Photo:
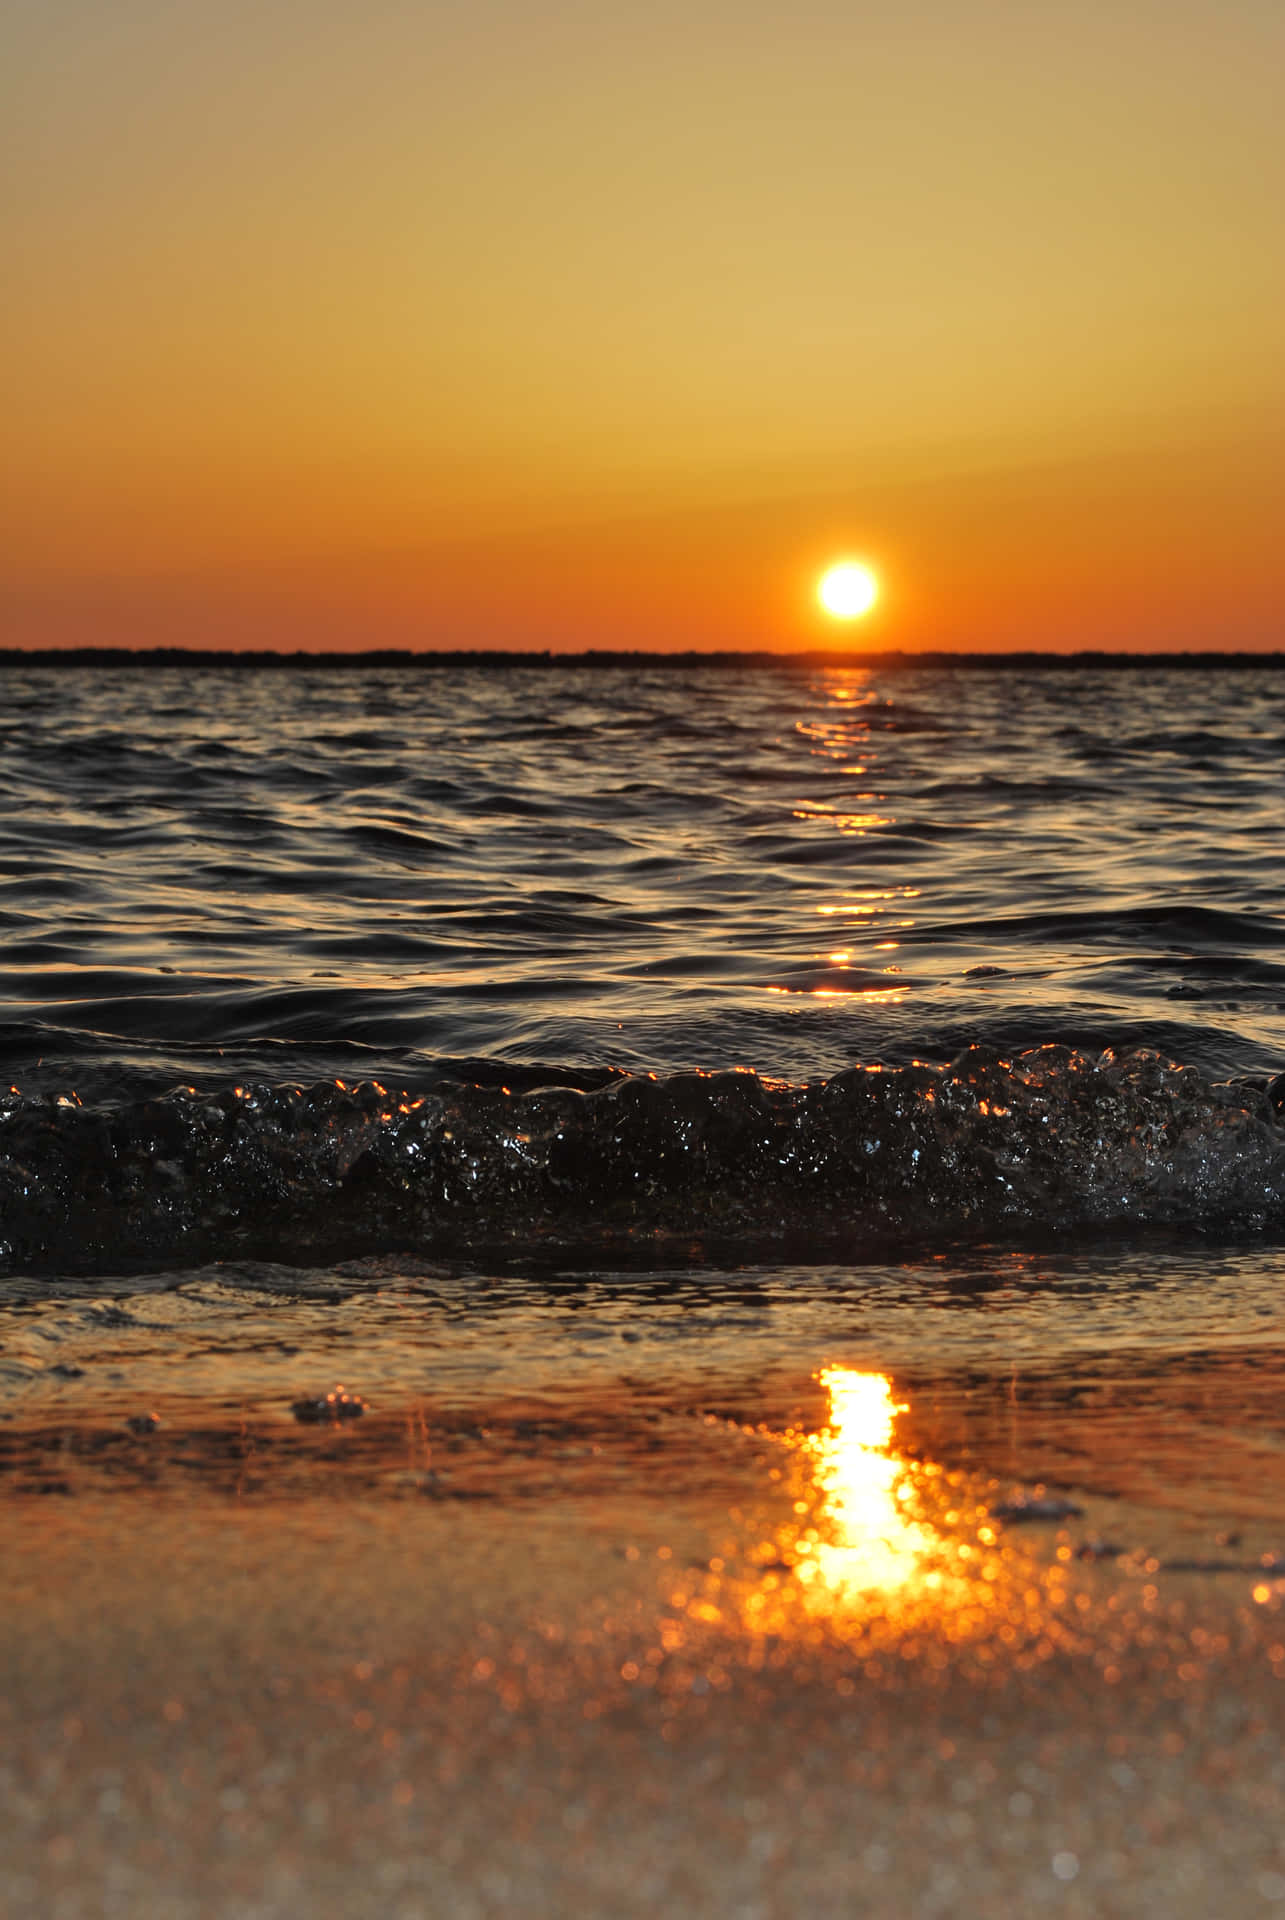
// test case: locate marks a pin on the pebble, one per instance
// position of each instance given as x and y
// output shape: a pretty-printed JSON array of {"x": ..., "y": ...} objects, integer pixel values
[{"x": 1052, "y": 1508}]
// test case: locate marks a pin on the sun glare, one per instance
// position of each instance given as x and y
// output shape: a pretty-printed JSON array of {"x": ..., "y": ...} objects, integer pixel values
[
  {"x": 847, "y": 590},
  {"x": 874, "y": 1543}
]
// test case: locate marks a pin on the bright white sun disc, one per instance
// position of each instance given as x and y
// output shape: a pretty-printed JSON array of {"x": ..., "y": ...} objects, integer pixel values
[{"x": 847, "y": 590}]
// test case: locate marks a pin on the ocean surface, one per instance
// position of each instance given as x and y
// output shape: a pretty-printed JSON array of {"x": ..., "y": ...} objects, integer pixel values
[{"x": 490, "y": 1033}]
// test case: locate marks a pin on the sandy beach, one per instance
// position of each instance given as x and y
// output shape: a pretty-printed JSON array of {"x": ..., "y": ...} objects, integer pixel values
[{"x": 639, "y": 1659}]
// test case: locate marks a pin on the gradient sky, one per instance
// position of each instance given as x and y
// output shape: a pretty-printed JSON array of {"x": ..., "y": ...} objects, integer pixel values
[{"x": 527, "y": 325}]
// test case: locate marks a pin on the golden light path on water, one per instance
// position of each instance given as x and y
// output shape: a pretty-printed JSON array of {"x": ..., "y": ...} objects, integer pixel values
[{"x": 842, "y": 738}]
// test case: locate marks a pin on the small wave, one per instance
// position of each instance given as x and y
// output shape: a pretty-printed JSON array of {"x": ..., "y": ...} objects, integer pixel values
[{"x": 1053, "y": 1139}]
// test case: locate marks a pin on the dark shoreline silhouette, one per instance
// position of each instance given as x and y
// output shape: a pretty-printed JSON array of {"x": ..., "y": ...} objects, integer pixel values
[{"x": 493, "y": 660}]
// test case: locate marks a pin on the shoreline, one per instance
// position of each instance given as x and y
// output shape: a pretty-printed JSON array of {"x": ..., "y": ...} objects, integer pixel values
[
  {"x": 217, "y": 1706},
  {"x": 610, "y": 1603}
]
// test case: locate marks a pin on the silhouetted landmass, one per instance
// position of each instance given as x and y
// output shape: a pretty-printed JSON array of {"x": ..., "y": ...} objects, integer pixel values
[{"x": 404, "y": 659}]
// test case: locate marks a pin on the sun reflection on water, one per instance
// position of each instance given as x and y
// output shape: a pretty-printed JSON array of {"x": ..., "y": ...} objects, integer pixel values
[
  {"x": 862, "y": 1489},
  {"x": 873, "y": 1537}
]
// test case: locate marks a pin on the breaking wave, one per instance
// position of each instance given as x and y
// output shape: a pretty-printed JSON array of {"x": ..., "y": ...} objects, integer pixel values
[{"x": 1054, "y": 1139}]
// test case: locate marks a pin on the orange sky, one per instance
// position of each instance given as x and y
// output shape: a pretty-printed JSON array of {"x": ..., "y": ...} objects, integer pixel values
[{"x": 497, "y": 325}]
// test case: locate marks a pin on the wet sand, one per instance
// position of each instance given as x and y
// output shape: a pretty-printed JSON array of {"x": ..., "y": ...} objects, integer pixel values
[{"x": 639, "y": 1659}]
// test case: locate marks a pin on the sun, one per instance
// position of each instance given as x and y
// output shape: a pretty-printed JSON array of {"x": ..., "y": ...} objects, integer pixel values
[{"x": 847, "y": 590}]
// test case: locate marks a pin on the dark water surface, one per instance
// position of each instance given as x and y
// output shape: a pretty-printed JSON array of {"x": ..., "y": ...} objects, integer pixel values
[
  {"x": 210, "y": 875},
  {"x": 672, "y": 1025}
]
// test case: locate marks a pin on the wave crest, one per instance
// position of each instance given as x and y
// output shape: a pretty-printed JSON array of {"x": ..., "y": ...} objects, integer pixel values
[{"x": 1054, "y": 1138}]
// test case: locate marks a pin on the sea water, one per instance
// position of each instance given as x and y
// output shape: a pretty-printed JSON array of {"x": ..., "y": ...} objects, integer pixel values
[{"x": 553, "y": 1049}]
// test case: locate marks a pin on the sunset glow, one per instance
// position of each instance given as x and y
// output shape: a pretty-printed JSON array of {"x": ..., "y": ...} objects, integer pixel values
[{"x": 272, "y": 385}]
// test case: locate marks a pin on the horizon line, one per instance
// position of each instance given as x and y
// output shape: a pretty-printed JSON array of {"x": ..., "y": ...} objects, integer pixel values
[{"x": 527, "y": 659}]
